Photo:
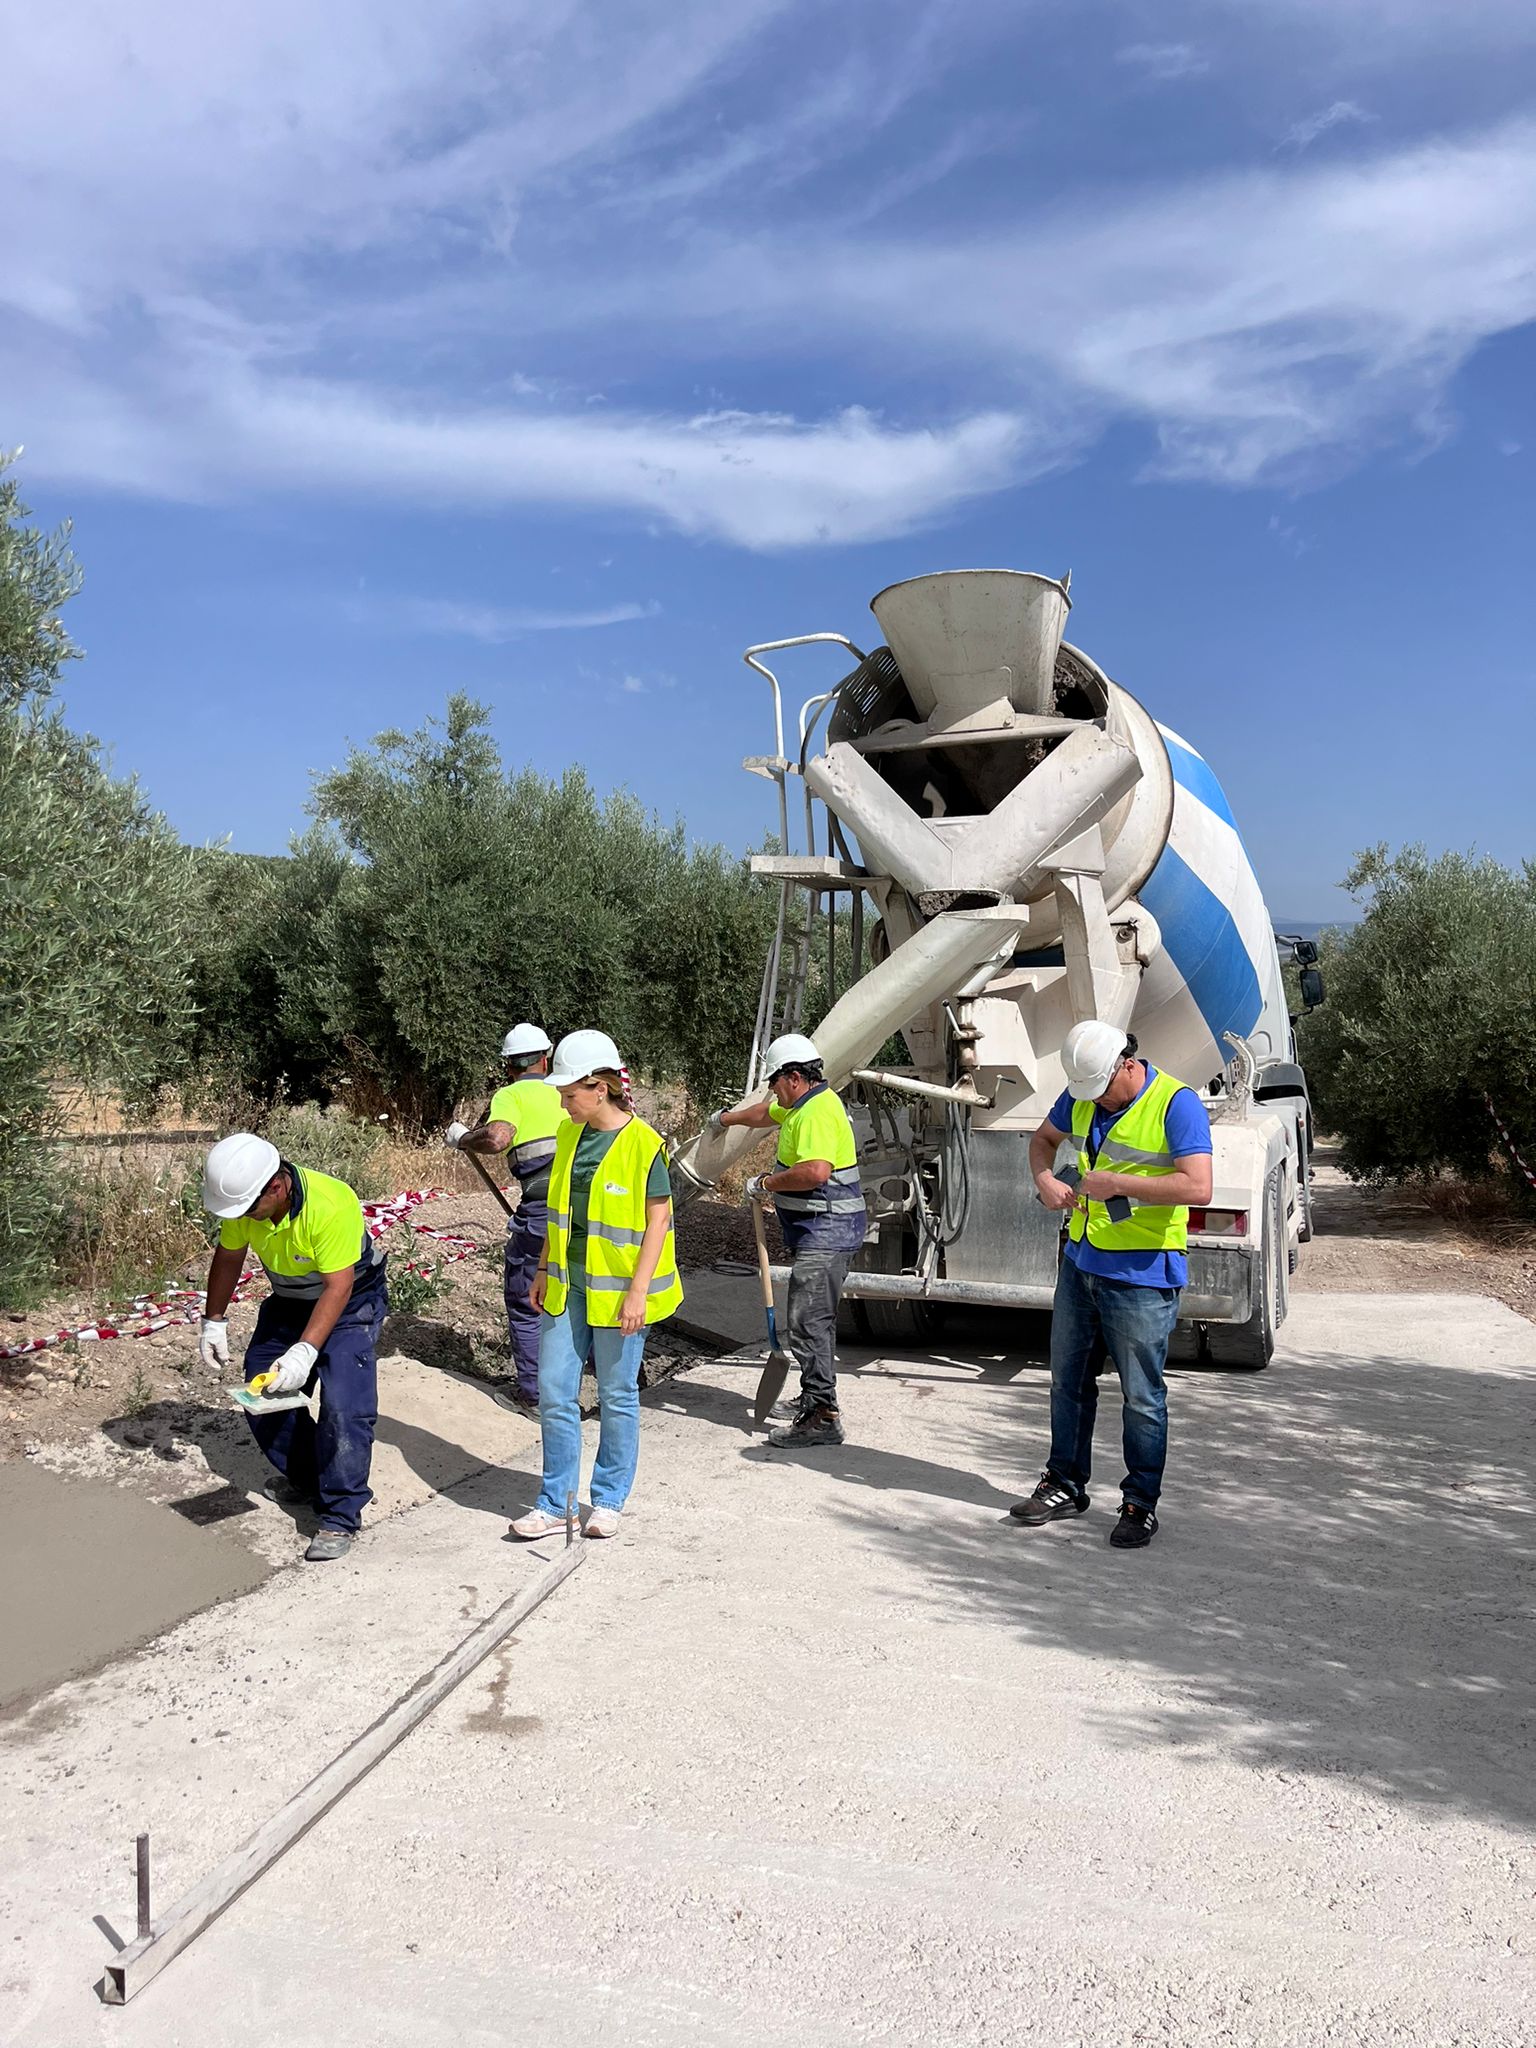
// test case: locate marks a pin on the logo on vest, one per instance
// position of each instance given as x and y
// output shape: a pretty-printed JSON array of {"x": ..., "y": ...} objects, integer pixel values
[{"x": 611, "y": 1187}]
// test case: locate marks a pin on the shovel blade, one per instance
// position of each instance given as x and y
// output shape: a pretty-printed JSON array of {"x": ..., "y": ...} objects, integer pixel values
[{"x": 770, "y": 1385}]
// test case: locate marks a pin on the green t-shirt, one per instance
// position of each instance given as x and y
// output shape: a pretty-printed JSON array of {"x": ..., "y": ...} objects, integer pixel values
[{"x": 592, "y": 1148}]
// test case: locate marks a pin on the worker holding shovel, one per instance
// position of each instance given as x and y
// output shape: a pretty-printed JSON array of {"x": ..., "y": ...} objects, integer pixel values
[
  {"x": 817, "y": 1194},
  {"x": 321, "y": 1319},
  {"x": 523, "y": 1122}
]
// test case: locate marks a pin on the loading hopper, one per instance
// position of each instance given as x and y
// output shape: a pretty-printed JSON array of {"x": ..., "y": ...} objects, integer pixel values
[{"x": 975, "y": 646}]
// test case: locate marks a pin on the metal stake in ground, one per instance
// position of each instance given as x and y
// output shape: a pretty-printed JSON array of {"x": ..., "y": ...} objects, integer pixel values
[
  {"x": 145, "y": 1958},
  {"x": 780, "y": 1363}
]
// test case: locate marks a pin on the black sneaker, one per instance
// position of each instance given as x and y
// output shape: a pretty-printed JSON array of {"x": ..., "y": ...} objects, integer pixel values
[
  {"x": 1136, "y": 1527},
  {"x": 1051, "y": 1499},
  {"x": 815, "y": 1426}
]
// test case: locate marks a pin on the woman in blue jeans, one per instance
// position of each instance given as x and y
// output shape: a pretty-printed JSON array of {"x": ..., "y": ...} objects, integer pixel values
[{"x": 608, "y": 1271}]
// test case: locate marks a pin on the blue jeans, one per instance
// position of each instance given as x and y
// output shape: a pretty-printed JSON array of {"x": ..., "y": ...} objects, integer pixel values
[
  {"x": 527, "y": 1228},
  {"x": 328, "y": 1459},
  {"x": 1094, "y": 1319},
  {"x": 565, "y": 1343}
]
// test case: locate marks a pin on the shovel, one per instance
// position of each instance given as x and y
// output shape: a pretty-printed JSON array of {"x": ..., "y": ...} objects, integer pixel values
[
  {"x": 780, "y": 1362},
  {"x": 474, "y": 1160}
]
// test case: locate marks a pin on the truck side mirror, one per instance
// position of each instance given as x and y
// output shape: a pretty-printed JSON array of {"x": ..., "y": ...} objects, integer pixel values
[{"x": 1311, "y": 987}]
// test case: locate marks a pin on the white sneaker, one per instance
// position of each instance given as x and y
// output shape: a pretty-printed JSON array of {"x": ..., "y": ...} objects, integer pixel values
[
  {"x": 602, "y": 1522},
  {"x": 530, "y": 1527}
]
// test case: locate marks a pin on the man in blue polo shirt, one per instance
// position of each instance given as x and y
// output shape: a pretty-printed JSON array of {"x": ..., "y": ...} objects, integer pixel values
[{"x": 1143, "y": 1158}]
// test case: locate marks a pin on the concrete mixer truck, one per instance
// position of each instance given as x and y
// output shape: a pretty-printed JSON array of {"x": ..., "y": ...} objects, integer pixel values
[{"x": 997, "y": 842}]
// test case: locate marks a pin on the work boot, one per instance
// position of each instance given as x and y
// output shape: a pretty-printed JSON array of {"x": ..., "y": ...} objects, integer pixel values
[
  {"x": 813, "y": 1426},
  {"x": 1051, "y": 1499},
  {"x": 327, "y": 1544},
  {"x": 790, "y": 1409},
  {"x": 284, "y": 1494},
  {"x": 519, "y": 1402},
  {"x": 1136, "y": 1527}
]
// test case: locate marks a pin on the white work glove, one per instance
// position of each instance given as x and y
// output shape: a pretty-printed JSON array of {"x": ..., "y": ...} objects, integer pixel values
[
  {"x": 453, "y": 1134},
  {"x": 715, "y": 1122},
  {"x": 292, "y": 1369},
  {"x": 213, "y": 1343},
  {"x": 756, "y": 1191}
]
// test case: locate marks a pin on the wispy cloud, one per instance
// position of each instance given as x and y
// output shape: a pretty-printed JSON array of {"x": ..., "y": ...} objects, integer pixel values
[
  {"x": 369, "y": 250},
  {"x": 490, "y": 624},
  {"x": 1304, "y": 133},
  {"x": 1165, "y": 62}
]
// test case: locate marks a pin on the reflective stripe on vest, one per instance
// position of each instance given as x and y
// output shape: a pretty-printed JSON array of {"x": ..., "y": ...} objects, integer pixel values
[
  {"x": 534, "y": 1157},
  {"x": 1136, "y": 1143},
  {"x": 615, "y": 1228},
  {"x": 840, "y": 1194}
]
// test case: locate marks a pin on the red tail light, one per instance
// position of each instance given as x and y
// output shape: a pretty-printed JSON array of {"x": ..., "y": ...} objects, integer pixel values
[{"x": 1219, "y": 1222}]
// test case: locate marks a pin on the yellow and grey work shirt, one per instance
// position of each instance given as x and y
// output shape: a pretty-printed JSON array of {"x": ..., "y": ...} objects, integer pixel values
[
  {"x": 535, "y": 1112},
  {"x": 832, "y": 1217},
  {"x": 322, "y": 1233}
]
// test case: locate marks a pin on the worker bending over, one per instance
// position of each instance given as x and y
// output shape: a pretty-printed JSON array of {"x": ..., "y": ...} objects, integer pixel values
[
  {"x": 819, "y": 1201},
  {"x": 523, "y": 1121},
  {"x": 322, "y": 1317},
  {"x": 1145, "y": 1139}
]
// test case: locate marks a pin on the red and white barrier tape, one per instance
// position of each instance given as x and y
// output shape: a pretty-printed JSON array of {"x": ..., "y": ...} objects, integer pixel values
[
  {"x": 1513, "y": 1149},
  {"x": 185, "y": 1304}
]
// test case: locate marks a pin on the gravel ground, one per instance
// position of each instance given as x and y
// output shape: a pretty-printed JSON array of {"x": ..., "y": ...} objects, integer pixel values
[{"x": 826, "y": 1750}]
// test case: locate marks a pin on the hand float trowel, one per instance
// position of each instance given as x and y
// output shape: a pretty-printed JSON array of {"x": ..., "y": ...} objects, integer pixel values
[{"x": 254, "y": 1399}]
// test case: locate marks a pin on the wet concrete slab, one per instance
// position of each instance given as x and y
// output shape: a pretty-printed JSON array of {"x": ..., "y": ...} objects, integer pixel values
[{"x": 92, "y": 1570}]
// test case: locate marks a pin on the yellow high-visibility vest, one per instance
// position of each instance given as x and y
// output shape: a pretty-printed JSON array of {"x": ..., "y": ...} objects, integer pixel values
[
  {"x": 615, "y": 1228},
  {"x": 1136, "y": 1142}
]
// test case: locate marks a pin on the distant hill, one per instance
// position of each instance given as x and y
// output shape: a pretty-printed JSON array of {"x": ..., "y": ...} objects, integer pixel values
[{"x": 1309, "y": 927}]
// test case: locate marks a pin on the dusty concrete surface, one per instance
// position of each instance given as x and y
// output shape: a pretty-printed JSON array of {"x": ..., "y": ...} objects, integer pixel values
[
  {"x": 91, "y": 1570},
  {"x": 824, "y": 1750}
]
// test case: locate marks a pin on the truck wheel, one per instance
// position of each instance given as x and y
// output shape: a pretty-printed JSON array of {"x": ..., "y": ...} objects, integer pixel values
[
  {"x": 1251, "y": 1345},
  {"x": 907, "y": 1323},
  {"x": 1304, "y": 1195}
]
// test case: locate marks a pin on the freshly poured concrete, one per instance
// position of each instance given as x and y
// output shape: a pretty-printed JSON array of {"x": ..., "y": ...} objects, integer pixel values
[
  {"x": 823, "y": 1749},
  {"x": 88, "y": 1570}
]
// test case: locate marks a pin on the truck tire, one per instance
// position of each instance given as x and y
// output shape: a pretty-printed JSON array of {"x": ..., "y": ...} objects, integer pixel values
[
  {"x": 908, "y": 1323},
  {"x": 1250, "y": 1346},
  {"x": 1304, "y": 1195}
]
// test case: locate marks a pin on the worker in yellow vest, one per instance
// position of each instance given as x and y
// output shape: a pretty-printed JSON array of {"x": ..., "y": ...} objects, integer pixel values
[
  {"x": 320, "y": 1321},
  {"x": 816, "y": 1192},
  {"x": 608, "y": 1272},
  {"x": 523, "y": 1121},
  {"x": 1143, "y": 1156}
]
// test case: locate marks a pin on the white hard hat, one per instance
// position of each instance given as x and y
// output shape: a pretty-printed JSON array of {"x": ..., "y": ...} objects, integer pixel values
[
  {"x": 1090, "y": 1055},
  {"x": 580, "y": 1055},
  {"x": 794, "y": 1049},
  {"x": 524, "y": 1038},
  {"x": 236, "y": 1171}
]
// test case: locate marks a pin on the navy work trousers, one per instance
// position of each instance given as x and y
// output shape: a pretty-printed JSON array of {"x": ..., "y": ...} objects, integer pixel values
[
  {"x": 328, "y": 1459},
  {"x": 527, "y": 1228}
]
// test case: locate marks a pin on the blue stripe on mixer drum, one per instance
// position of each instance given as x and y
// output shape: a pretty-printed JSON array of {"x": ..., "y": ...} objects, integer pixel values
[
  {"x": 1205, "y": 946},
  {"x": 1194, "y": 774}
]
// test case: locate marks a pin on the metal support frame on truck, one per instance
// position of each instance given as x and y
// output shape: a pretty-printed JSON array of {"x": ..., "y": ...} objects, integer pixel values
[{"x": 1021, "y": 846}]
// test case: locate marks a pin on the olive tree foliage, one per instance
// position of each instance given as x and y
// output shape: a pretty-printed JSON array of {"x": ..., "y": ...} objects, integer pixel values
[
  {"x": 93, "y": 909},
  {"x": 1431, "y": 1008},
  {"x": 439, "y": 899}
]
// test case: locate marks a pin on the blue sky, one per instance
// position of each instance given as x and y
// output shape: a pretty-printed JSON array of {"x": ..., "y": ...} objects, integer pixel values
[{"x": 558, "y": 351}]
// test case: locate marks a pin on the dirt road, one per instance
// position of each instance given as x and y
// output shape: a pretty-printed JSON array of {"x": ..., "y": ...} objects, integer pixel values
[{"x": 825, "y": 1750}]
